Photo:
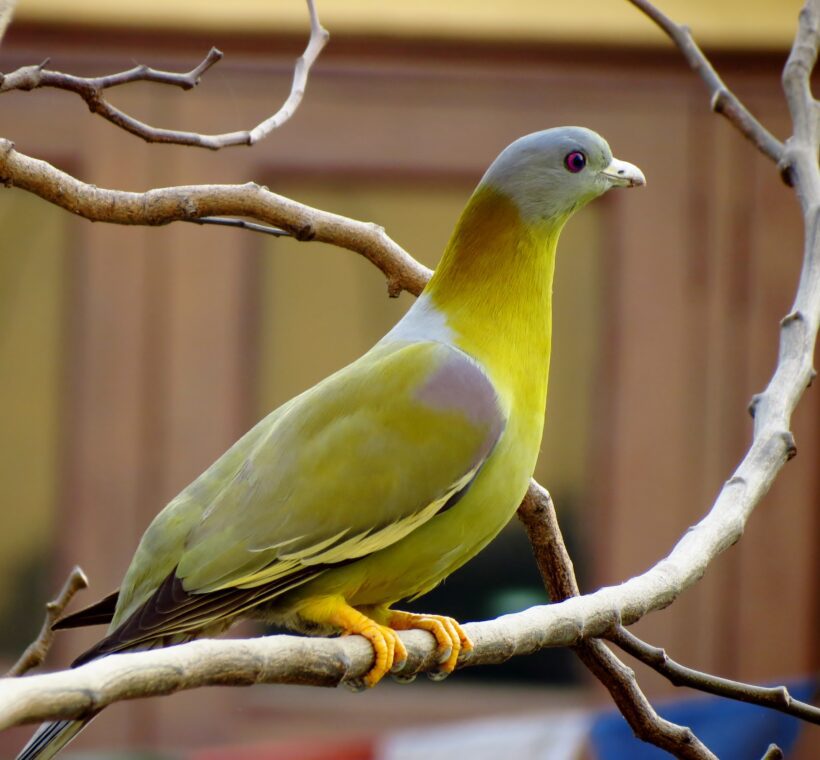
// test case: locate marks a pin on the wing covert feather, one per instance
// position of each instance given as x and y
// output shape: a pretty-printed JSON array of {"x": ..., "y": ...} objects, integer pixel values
[{"x": 343, "y": 470}]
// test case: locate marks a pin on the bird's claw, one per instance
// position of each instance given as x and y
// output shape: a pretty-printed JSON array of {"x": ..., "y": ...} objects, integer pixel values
[
  {"x": 451, "y": 640},
  {"x": 438, "y": 675},
  {"x": 354, "y": 685},
  {"x": 403, "y": 678}
]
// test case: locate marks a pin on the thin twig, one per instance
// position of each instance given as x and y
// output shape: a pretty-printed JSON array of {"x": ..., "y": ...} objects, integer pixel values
[
  {"x": 318, "y": 39},
  {"x": 36, "y": 652},
  {"x": 722, "y": 99},
  {"x": 776, "y": 698},
  {"x": 223, "y": 221},
  {"x": 91, "y": 90},
  {"x": 537, "y": 512}
]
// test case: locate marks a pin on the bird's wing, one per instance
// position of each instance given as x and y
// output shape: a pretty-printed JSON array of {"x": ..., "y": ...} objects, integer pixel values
[{"x": 346, "y": 469}]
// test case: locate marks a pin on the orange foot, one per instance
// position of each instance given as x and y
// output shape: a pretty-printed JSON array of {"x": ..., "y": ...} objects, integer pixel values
[
  {"x": 388, "y": 650},
  {"x": 449, "y": 635}
]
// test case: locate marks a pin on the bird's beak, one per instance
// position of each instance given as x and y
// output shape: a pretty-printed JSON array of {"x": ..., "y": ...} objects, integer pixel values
[{"x": 623, "y": 174}]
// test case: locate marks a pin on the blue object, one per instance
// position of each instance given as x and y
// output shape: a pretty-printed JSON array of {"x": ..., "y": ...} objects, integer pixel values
[{"x": 732, "y": 730}]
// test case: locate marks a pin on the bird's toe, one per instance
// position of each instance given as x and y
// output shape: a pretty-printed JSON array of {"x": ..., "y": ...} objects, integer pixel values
[{"x": 449, "y": 635}]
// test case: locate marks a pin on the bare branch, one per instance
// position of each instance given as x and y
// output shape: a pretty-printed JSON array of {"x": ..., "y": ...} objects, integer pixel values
[
  {"x": 36, "y": 652},
  {"x": 800, "y": 154},
  {"x": 241, "y": 662},
  {"x": 722, "y": 99},
  {"x": 648, "y": 726},
  {"x": 773, "y": 443},
  {"x": 318, "y": 39},
  {"x": 187, "y": 203},
  {"x": 91, "y": 90},
  {"x": 777, "y": 698},
  {"x": 538, "y": 515}
]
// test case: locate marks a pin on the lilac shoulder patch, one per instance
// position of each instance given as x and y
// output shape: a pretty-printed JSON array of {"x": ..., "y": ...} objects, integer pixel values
[{"x": 459, "y": 384}]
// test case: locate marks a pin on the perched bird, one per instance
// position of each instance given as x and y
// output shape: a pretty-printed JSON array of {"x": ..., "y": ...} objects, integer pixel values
[{"x": 377, "y": 483}]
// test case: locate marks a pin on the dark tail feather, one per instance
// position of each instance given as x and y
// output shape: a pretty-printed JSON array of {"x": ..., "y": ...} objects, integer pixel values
[
  {"x": 50, "y": 738},
  {"x": 99, "y": 613}
]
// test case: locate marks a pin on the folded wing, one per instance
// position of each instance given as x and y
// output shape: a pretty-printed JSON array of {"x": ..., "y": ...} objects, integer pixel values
[{"x": 348, "y": 468}]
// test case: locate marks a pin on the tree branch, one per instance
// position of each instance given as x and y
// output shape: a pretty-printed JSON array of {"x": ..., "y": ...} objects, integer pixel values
[
  {"x": 538, "y": 515},
  {"x": 800, "y": 154},
  {"x": 36, "y": 652},
  {"x": 318, "y": 39},
  {"x": 91, "y": 90},
  {"x": 326, "y": 662},
  {"x": 647, "y": 725},
  {"x": 192, "y": 202},
  {"x": 776, "y": 698},
  {"x": 722, "y": 99}
]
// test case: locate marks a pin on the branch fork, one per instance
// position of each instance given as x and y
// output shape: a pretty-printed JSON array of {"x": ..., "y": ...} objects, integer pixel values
[{"x": 92, "y": 89}]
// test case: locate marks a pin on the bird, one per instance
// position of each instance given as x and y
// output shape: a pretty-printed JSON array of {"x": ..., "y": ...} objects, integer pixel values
[{"x": 378, "y": 482}]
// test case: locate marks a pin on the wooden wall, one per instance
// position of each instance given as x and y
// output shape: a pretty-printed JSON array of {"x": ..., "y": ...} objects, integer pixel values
[{"x": 175, "y": 340}]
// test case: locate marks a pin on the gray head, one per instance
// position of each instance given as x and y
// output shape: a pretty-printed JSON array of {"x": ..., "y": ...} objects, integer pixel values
[{"x": 552, "y": 173}]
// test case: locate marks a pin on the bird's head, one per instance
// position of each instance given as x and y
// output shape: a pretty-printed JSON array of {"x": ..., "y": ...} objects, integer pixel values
[{"x": 551, "y": 174}]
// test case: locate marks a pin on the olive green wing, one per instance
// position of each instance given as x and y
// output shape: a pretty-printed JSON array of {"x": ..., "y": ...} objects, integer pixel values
[{"x": 346, "y": 469}]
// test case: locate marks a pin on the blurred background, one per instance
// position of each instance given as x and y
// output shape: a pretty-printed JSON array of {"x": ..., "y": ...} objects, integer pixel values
[{"x": 130, "y": 358}]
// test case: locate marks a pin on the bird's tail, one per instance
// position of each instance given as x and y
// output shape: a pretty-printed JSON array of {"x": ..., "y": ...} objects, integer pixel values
[{"x": 50, "y": 738}]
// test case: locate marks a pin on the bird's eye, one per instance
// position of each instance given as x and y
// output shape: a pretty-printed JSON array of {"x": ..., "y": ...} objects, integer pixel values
[{"x": 575, "y": 161}]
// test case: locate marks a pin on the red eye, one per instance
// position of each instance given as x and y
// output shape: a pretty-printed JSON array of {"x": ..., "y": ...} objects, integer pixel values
[{"x": 575, "y": 161}]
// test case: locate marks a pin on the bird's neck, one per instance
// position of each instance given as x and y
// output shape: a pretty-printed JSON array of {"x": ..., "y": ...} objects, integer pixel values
[{"x": 494, "y": 284}]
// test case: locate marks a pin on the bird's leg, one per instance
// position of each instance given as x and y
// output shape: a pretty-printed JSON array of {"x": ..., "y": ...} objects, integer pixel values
[
  {"x": 450, "y": 637},
  {"x": 388, "y": 649}
]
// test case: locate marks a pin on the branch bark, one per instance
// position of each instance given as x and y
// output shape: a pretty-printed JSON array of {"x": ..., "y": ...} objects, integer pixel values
[
  {"x": 775, "y": 697},
  {"x": 722, "y": 100},
  {"x": 36, "y": 652},
  {"x": 647, "y": 725},
  {"x": 91, "y": 90},
  {"x": 192, "y": 202},
  {"x": 538, "y": 515}
]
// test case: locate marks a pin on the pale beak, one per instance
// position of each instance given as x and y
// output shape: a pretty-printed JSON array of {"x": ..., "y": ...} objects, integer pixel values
[{"x": 623, "y": 174}]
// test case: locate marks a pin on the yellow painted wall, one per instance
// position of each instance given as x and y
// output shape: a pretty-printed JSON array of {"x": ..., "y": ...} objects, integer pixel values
[{"x": 723, "y": 23}]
